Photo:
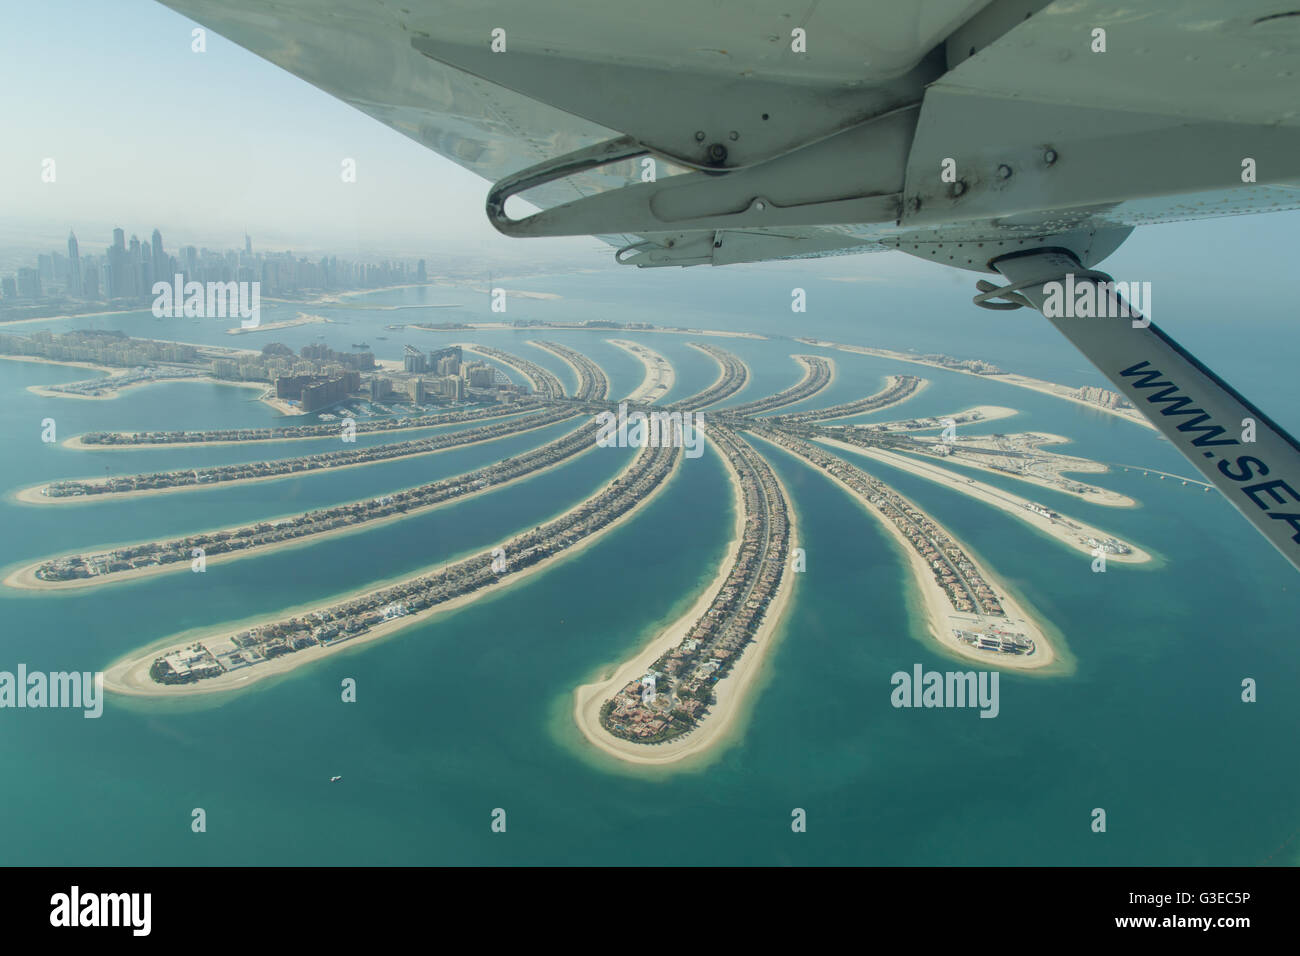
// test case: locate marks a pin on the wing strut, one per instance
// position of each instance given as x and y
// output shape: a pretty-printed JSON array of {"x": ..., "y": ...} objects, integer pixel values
[{"x": 1204, "y": 417}]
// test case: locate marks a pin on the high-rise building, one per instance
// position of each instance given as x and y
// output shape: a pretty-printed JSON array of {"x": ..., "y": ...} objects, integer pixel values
[
  {"x": 450, "y": 387},
  {"x": 74, "y": 267},
  {"x": 420, "y": 274},
  {"x": 479, "y": 374},
  {"x": 248, "y": 245},
  {"x": 29, "y": 284},
  {"x": 413, "y": 360},
  {"x": 160, "y": 266},
  {"x": 119, "y": 239},
  {"x": 9, "y": 287}
]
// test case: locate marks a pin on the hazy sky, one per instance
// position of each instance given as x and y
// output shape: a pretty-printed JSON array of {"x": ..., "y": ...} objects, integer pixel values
[{"x": 146, "y": 133}]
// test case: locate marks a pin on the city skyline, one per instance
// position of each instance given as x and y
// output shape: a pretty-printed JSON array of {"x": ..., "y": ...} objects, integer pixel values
[
  {"x": 271, "y": 146},
  {"x": 128, "y": 270}
]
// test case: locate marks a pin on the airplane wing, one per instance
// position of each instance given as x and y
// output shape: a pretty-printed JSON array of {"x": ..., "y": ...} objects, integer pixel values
[{"x": 1016, "y": 138}]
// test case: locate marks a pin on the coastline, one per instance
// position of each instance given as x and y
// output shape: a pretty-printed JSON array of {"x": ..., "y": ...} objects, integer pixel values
[
  {"x": 129, "y": 675},
  {"x": 302, "y": 318},
  {"x": 573, "y": 367},
  {"x": 76, "y": 442},
  {"x": 1010, "y": 378},
  {"x": 659, "y": 372},
  {"x": 32, "y": 494},
  {"x": 507, "y": 327},
  {"x": 722, "y": 375},
  {"x": 940, "y": 616},
  {"x": 988, "y": 413},
  {"x": 1005, "y": 501},
  {"x": 117, "y": 392},
  {"x": 1077, "y": 466},
  {"x": 25, "y": 579},
  {"x": 730, "y": 693},
  {"x": 921, "y": 386}
]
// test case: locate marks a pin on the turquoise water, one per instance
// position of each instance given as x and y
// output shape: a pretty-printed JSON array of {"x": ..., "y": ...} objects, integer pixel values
[{"x": 470, "y": 711}]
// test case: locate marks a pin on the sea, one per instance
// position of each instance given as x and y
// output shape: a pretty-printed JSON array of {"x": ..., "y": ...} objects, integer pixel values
[{"x": 466, "y": 718}]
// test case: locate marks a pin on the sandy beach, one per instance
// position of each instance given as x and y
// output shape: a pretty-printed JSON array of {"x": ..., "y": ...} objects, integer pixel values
[
  {"x": 302, "y": 318},
  {"x": 508, "y": 327},
  {"x": 117, "y": 392},
  {"x": 730, "y": 693},
  {"x": 331, "y": 298},
  {"x": 25, "y": 578},
  {"x": 32, "y": 494},
  {"x": 921, "y": 386},
  {"x": 76, "y": 442},
  {"x": 130, "y": 675},
  {"x": 722, "y": 373},
  {"x": 521, "y": 370},
  {"x": 987, "y": 413},
  {"x": 660, "y": 376},
  {"x": 75, "y": 315},
  {"x": 1010, "y": 378},
  {"x": 1005, "y": 501},
  {"x": 41, "y": 360},
  {"x": 807, "y": 372},
  {"x": 940, "y": 615},
  {"x": 577, "y": 373},
  {"x": 1057, "y": 464}
]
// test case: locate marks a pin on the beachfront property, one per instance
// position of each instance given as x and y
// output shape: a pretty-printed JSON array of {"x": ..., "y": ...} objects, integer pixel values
[
  {"x": 677, "y": 691},
  {"x": 355, "y": 617},
  {"x": 682, "y": 680}
]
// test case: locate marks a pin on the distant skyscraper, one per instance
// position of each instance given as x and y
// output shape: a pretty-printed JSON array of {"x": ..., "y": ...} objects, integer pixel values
[
  {"x": 132, "y": 272},
  {"x": 9, "y": 287},
  {"x": 248, "y": 245},
  {"x": 29, "y": 284},
  {"x": 420, "y": 274},
  {"x": 161, "y": 270},
  {"x": 119, "y": 239},
  {"x": 74, "y": 266}
]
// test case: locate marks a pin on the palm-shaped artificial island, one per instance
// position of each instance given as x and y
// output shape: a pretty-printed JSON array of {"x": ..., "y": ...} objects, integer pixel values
[{"x": 679, "y": 694}]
